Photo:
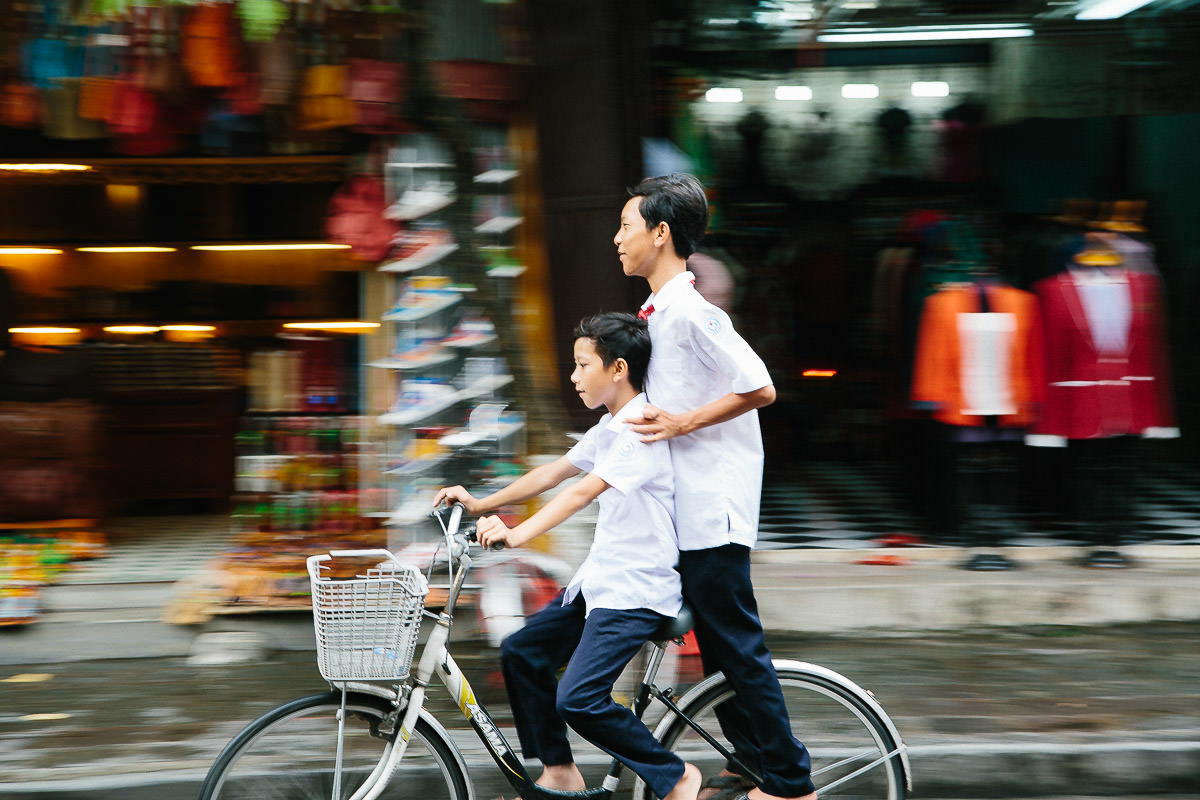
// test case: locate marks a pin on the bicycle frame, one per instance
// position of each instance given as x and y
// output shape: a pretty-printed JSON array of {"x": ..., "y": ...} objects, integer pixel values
[{"x": 435, "y": 659}]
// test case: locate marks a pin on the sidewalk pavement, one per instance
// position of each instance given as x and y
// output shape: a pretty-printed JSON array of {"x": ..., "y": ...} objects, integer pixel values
[{"x": 1049, "y": 679}]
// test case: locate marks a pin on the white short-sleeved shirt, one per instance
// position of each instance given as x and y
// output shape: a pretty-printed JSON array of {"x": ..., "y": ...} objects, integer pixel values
[
  {"x": 696, "y": 358},
  {"x": 633, "y": 556}
]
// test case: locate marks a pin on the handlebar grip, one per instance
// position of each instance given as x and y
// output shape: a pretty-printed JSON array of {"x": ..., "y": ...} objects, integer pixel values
[{"x": 473, "y": 536}]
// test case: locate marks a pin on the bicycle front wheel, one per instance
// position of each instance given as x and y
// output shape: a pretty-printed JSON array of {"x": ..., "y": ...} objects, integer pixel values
[
  {"x": 290, "y": 752},
  {"x": 856, "y": 754}
]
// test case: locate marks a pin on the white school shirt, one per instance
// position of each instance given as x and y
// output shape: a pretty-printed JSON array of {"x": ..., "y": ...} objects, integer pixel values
[
  {"x": 696, "y": 357},
  {"x": 634, "y": 553}
]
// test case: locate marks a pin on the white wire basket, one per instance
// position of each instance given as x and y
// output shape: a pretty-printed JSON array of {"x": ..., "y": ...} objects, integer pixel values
[{"x": 367, "y": 625}]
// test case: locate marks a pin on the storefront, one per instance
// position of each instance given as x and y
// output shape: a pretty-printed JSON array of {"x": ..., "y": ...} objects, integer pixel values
[{"x": 458, "y": 168}]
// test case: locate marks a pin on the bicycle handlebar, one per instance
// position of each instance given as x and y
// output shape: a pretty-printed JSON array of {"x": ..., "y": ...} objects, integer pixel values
[{"x": 468, "y": 534}]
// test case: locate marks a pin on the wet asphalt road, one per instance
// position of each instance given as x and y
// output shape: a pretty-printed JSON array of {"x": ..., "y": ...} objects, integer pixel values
[{"x": 81, "y": 723}]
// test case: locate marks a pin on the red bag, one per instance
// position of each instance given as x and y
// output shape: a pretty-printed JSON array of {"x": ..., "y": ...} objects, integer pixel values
[
  {"x": 134, "y": 110},
  {"x": 355, "y": 217},
  {"x": 20, "y": 105}
]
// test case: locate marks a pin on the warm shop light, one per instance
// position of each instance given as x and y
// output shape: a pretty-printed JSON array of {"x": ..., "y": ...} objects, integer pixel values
[
  {"x": 860, "y": 91},
  {"x": 818, "y": 373},
  {"x": 44, "y": 330},
  {"x": 29, "y": 251},
  {"x": 723, "y": 94},
  {"x": 930, "y": 89},
  {"x": 275, "y": 246},
  {"x": 190, "y": 328},
  {"x": 46, "y": 168},
  {"x": 131, "y": 329},
  {"x": 130, "y": 249},
  {"x": 333, "y": 325},
  {"x": 1111, "y": 9},
  {"x": 925, "y": 34},
  {"x": 793, "y": 93}
]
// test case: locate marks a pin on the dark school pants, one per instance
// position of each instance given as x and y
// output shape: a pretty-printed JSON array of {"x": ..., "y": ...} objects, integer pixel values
[
  {"x": 716, "y": 584},
  {"x": 595, "y": 650}
]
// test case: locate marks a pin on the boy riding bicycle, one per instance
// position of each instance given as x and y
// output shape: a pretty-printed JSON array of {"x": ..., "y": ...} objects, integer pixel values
[{"x": 622, "y": 593}]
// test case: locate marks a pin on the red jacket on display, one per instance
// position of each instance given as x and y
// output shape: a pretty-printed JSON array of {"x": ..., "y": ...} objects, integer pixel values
[
  {"x": 967, "y": 383},
  {"x": 1106, "y": 374}
]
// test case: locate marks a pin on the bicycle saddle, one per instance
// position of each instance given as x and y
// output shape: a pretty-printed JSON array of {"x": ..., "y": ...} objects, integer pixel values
[{"x": 675, "y": 628}]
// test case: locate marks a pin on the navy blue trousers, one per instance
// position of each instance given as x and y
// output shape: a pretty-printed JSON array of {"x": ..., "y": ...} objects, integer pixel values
[
  {"x": 716, "y": 584},
  {"x": 595, "y": 650}
]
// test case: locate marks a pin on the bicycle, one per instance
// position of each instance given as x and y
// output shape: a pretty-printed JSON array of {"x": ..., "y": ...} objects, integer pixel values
[{"x": 371, "y": 736}]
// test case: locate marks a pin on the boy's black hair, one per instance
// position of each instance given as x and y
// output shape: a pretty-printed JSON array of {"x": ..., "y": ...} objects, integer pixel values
[
  {"x": 677, "y": 199},
  {"x": 617, "y": 334}
]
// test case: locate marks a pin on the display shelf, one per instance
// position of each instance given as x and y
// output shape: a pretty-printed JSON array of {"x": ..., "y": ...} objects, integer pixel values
[
  {"x": 497, "y": 225},
  {"x": 418, "y": 466},
  {"x": 423, "y": 258},
  {"x": 412, "y": 165},
  {"x": 468, "y": 438},
  {"x": 432, "y": 359},
  {"x": 476, "y": 390},
  {"x": 427, "y": 438},
  {"x": 467, "y": 344},
  {"x": 496, "y": 176},
  {"x": 434, "y": 305}
]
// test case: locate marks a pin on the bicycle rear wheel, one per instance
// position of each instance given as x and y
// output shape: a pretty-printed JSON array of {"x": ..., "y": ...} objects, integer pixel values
[
  {"x": 290, "y": 753},
  {"x": 855, "y": 752}
]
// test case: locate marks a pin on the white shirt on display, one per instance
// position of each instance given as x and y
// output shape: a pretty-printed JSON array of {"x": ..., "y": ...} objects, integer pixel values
[
  {"x": 698, "y": 357},
  {"x": 632, "y": 560}
]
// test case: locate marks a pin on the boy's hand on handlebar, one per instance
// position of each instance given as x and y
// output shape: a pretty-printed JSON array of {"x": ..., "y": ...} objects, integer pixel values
[
  {"x": 456, "y": 494},
  {"x": 491, "y": 531}
]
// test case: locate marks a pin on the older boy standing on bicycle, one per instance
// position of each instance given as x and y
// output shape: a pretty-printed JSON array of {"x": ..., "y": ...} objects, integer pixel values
[
  {"x": 706, "y": 384},
  {"x": 622, "y": 593}
]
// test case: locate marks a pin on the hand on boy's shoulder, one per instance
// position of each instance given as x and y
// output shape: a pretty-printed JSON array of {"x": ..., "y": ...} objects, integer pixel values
[{"x": 654, "y": 424}]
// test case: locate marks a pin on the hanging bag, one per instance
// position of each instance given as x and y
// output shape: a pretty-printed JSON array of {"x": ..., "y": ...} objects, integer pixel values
[
  {"x": 323, "y": 103},
  {"x": 208, "y": 44},
  {"x": 101, "y": 72}
]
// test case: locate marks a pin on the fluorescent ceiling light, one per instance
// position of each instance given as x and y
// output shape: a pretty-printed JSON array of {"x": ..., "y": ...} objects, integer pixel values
[
  {"x": 190, "y": 328},
  {"x": 1111, "y": 9},
  {"x": 930, "y": 89},
  {"x": 130, "y": 249},
  {"x": 131, "y": 329},
  {"x": 860, "y": 91},
  {"x": 46, "y": 167},
  {"x": 29, "y": 251},
  {"x": 337, "y": 325},
  {"x": 48, "y": 329},
  {"x": 720, "y": 94},
  {"x": 793, "y": 93},
  {"x": 278, "y": 246},
  {"x": 925, "y": 34}
]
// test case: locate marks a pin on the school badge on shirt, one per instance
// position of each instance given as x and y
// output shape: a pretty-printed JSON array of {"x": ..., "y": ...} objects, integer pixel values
[
  {"x": 626, "y": 449},
  {"x": 712, "y": 326}
]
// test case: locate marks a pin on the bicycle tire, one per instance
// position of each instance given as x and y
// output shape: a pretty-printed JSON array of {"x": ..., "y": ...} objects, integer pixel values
[
  {"x": 842, "y": 727},
  {"x": 289, "y": 753}
]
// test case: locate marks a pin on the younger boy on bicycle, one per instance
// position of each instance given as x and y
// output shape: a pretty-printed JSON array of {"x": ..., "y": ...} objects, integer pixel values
[{"x": 621, "y": 594}]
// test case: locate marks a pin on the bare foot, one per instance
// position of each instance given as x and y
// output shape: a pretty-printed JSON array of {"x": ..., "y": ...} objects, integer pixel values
[
  {"x": 688, "y": 786},
  {"x": 724, "y": 783},
  {"x": 563, "y": 777},
  {"x": 759, "y": 794}
]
